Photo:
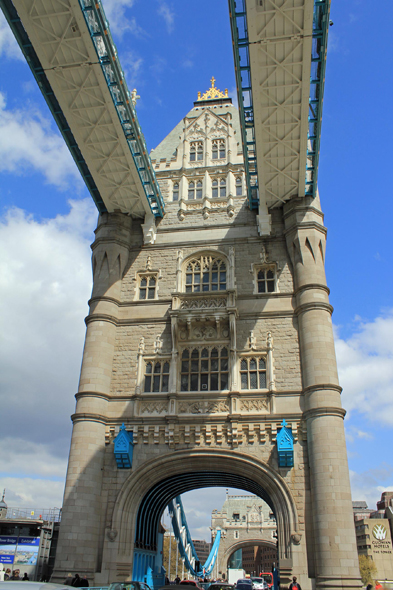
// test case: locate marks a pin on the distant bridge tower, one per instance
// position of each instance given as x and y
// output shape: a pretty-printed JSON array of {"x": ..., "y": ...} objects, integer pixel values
[{"x": 203, "y": 336}]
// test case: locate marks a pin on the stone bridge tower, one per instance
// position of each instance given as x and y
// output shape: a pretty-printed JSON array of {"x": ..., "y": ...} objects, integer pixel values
[{"x": 206, "y": 330}]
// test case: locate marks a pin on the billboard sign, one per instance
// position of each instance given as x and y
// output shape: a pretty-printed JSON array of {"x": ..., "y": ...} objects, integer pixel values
[{"x": 19, "y": 550}]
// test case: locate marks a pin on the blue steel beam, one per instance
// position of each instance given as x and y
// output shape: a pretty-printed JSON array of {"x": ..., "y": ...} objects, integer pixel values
[
  {"x": 240, "y": 42},
  {"x": 34, "y": 63},
  {"x": 188, "y": 552}
]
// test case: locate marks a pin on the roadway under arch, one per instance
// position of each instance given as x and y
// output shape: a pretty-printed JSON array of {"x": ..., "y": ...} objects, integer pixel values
[{"x": 148, "y": 490}]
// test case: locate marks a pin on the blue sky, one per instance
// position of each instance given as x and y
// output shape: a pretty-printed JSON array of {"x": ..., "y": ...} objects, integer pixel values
[{"x": 169, "y": 51}]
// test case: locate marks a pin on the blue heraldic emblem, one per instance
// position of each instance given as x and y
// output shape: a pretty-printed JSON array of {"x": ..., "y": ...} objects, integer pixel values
[
  {"x": 124, "y": 448},
  {"x": 285, "y": 446}
]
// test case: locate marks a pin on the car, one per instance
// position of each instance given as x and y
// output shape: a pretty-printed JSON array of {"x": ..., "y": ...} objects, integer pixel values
[
  {"x": 221, "y": 586},
  {"x": 128, "y": 586},
  {"x": 268, "y": 577},
  {"x": 259, "y": 583},
  {"x": 27, "y": 585},
  {"x": 244, "y": 584}
]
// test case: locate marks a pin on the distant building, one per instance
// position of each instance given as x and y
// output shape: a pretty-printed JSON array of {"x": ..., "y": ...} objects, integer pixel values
[
  {"x": 248, "y": 534},
  {"x": 202, "y": 549},
  {"x": 374, "y": 534},
  {"x": 28, "y": 540}
]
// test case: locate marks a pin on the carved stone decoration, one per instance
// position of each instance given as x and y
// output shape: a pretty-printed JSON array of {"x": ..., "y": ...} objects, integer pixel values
[
  {"x": 205, "y": 333},
  {"x": 296, "y": 538},
  {"x": 158, "y": 345},
  {"x": 252, "y": 341},
  {"x": 153, "y": 408},
  {"x": 203, "y": 303},
  {"x": 254, "y": 405},
  {"x": 111, "y": 534},
  {"x": 254, "y": 515},
  {"x": 141, "y": 347},
  {"x": 264, "y": 255},
  {"x": 204, "y": 407},
  {"x": 148, "y": 263}
]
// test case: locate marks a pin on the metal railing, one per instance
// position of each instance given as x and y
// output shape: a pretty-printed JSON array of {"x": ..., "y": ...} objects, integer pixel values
[{"x": 48, "y": 514}]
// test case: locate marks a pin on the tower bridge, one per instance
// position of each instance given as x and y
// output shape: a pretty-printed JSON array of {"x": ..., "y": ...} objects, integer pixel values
[{"x": 209, "y": 334}]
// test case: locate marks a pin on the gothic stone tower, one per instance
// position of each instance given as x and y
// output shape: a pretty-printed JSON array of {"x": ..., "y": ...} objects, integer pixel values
[{"x": 206, "y": 330}]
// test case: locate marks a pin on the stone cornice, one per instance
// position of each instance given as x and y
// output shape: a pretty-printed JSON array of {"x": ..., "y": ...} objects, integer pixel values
[
  {"x": 312, "y": 306},
  {"x": 98, "y": 394},
  {"x": 304, "y": 225},
  {"x": 87, "y": 417},
  {"x": 322, "y": 386},
  {"x": 324, "y": 411},
  {"x": 109, "y": 240},
  {"x": 312, "y": 286},
  {"x": 101, "y": 317}
]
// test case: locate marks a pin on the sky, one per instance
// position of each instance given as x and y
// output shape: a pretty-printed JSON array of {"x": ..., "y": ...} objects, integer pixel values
[{"x": 169, "y": 51}]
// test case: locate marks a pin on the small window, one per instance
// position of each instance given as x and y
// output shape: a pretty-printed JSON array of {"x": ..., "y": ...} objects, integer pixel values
[
  {"x": 218, "y": 149},
  {"x": 192, "y": 153},
  {"x": 236, "y": 534},
  {"x": 215, "y": 189},
  {"x": 223, "y": 188},
  {"x": 147, "y": 287},
  {"x": 156, "y": 377},
  {"x": 266, "y": 280},
  {"x": 253, "y": 373},
  {"x": 191, "y": 191},
  {"x": 175, "y": 192},
  {"x": 206, "y": 274},
  {"x": 204, "y": 369},
  {"x": 199, "y": 190},
  {"x": 239, "y": 187},
  {"x": 196, "y": 151},
  {"x": 200, "y": 152},
  {"x": 236, "y": 516}
]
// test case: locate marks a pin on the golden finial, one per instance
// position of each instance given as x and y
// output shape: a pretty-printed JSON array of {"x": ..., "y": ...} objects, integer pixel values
[{"x": 213, "y": 92}]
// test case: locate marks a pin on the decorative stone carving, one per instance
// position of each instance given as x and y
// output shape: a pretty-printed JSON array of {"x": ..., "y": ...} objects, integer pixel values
[
  {"x": 141, "y": 347},
  {"x": 149, "y": 229},
  {"x": 158, "y": 345},
  {"x": 296, "y": 538},
  {"x": 153, "y": 408},
  {"x": 111, "y": 534},
  {"x": 254, "y": 405},
  {"x": 148, "y": 263},
  {"x": 205, "y": 333},
  {"x": 204, "y": 407},
  {"x": 252, "y": 341},
  {"x": 203, "y": 303}
]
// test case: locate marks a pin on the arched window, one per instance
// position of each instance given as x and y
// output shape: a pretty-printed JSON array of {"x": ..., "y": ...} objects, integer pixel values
[
  {"x": 147, "y": 286},
  {"x": 196, "y": 151},
  {"x": 239, "y": 186},
  {"x": 223, "y": 188},
  {"x": 218, "y": 149},
  {"x": 191, "y": 191},
  {"x": 156, "y": 376},
  {"x": 206, "y": 273},
  {"x": 204, "y": 369},
  {"x": 175, "y": 192},
  {"x": 199, "y": 190},
  {"x": 215, "y": 189},
  {"x": 253, "y": 373}
]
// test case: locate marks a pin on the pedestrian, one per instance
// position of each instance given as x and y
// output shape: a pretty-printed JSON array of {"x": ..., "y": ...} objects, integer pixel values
[
  {"x": 7, "y": 574},
  {"x": 378, "y": 585},
  {"x": 177, "y": 580},
  {"x": 25, "y": 577},
  {"x": 167, "y": 581},
  {"x": 84, "y": 583},
  {"x": 15, "y": 575},
  {"x": 76, "y": 581},
  {"x": 68, "y": 580},
  {"x": 294, "y": 585}
]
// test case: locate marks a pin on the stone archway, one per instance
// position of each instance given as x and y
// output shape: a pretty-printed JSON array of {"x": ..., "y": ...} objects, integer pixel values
[
  {"x": 260, "y": 478},
  {"x": 223, "y": 563}
]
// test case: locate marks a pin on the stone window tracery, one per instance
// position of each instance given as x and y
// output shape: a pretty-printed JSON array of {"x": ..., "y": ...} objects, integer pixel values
[
  {"x": 253, "y": 372},
  {"x": 147, "y": 286},
  {"x": 204, "y": 369},
  {"x": 218, "y": 149},
  {"x": 239, "y": 186},
  {"x": 175, "y": 192},
  {"x": 205, "y": 273},
  {"x": 196, "y": 151},
  {"x": 156, "y": 378},
  {"x": 266, "y": 279},
  {"x": 219, "y": 188}
]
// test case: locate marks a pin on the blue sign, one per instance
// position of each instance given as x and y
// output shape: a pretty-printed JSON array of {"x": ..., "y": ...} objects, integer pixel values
[
  {"x": 8, "y": 540},
  {"x": 29, "y": 541},
  {"x": 7, "y": 558}
]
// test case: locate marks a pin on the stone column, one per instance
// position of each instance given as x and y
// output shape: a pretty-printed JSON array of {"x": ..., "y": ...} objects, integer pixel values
[
  {"x": 82, "y": 525},
  {"x": 334, "y": 544}
]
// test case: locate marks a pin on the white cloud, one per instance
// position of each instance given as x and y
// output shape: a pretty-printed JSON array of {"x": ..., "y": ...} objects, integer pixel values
[
  {"x": 26, "y": 458},
  {"x": 45, "y": 282},
  {"x": 367, "y": 485},
  {"x": 119, "y": 23},
  {"x": 8, "y": 44},
  {"x": 28, "y": 492},
  {"x": 168, "y": 15},
  {"x": 366, "y": 369},
  {"x": 27, "y": 142}
]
